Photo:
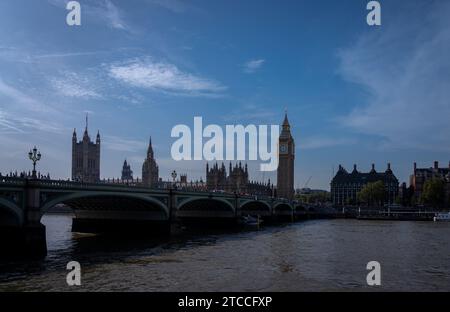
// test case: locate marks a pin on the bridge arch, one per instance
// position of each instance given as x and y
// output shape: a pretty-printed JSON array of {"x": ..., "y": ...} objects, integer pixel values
[
  {"x": 12, "y": 215},
  {"x": 77, "y": 198},
  {"x": 204, "y": 202},
  {"x": 260, "y": 203},
  {"x": 283, "y": 207},
  {"x": 257, "y": 207}
]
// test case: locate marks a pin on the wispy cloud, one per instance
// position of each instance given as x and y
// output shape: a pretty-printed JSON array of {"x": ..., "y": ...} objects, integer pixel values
[
  {"x": 250, "y": 112},
  {"x": 104, "y": 10},
  {"x": 72, "y": 84},
  {"x": 113, "y": 15},
  {"x": 253, "y": 65},
  {"x": 406, "y": 72},
  {"x": 67, "y": 54},
  {"x": 163, "y": 77},
  {"x": 124, "y": 145},
  {"x": 20, "y": 55},
  {"x": 9, "y": 123},
  {"x": 175, "y": 6},
  {"x": 317, "y": 142},
  {"x": 19, "y": 98}
]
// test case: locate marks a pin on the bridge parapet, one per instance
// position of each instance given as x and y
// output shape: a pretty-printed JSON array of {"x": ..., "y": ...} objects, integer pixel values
[{"x": 11, "y": 181}]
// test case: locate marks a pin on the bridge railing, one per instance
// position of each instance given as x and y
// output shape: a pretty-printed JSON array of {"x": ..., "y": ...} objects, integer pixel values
[
  {"x": 12, "y": 180},
  {"x": 64, "y": 184}
]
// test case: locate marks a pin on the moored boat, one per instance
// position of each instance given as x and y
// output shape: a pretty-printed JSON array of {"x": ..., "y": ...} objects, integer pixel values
[{"x": 442, "y": 217}]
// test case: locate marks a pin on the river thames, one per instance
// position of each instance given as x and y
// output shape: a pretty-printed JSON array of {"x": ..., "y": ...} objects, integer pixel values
[{"x": 316, "y": 255}]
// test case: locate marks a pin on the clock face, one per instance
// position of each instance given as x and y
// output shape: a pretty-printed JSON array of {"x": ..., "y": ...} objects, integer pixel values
[{"x": 283, "y": 148}]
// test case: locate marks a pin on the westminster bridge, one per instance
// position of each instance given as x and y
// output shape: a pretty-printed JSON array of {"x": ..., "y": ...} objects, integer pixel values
[{"x": 121, "y": 208}]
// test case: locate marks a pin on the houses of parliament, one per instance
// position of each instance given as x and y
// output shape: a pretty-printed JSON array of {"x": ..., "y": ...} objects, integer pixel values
[{"x": 86, "y": 168}]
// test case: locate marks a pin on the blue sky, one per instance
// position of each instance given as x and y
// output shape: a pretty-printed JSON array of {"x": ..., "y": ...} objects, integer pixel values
[{"x": 354, "y": 93}]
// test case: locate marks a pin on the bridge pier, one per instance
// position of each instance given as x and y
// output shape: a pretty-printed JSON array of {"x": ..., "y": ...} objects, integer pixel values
[
  {"x": 26, "y": 238},
  {"x": 23, "y": 242}
]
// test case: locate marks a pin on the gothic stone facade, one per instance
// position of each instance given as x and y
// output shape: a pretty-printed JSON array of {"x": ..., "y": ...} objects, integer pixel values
[
  {"x": 85, "y": 158},
  {"x": 150, "y": 170},
  {"x": 285, "y": 173},
  {"x": 237, "y": 180},
  {"x": 346, "y": 186},
  {"x": 127, "y": 173}
]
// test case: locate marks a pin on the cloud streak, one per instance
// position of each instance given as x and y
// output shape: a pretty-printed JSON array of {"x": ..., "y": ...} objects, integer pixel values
[
  {"x": 319, "y": 142},
  {"x": 74, "y": 85},
  {"x": 253, "y": 65},
  {"x": 162, "y": 76},
  {"x": 406, "y": 74},
  {"x": 124, "y": 145},
  {"x": 104, "y": 10}
]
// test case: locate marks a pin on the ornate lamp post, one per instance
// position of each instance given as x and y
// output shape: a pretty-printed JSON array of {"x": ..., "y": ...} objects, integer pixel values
[
  {"x": 174, "y": 175},
  {"x": 34, "y": 156}
]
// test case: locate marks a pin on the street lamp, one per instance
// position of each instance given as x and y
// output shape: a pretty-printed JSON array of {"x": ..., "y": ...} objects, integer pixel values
[
  {"x": 174, "y": 175},
  {"x": 34, "y": 156}
]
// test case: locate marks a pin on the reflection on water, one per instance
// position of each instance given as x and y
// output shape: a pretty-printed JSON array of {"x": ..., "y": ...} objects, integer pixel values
[{"x": 317, "y": 255}]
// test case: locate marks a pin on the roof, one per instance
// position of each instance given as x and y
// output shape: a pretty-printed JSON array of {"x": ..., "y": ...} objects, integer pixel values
[{"x": 342, "y": 176}]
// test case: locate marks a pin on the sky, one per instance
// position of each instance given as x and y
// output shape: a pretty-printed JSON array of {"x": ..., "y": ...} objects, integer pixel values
[{"x": 355, "y": 94}]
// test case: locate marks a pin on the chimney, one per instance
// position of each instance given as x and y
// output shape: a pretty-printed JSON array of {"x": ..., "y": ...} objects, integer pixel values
[
  {"x": 354, "y": 167},
  {"x": 373, "y": 166},
  {"x": 436, "y": 165},
  {"x": 415, "y": 167},
  {"x": 389, "y": 166}
]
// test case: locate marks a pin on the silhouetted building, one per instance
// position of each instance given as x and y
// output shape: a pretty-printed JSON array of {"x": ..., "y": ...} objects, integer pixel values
[
  {"x": 127, "y": 173},
  {"x": 285, "y": 173},
  {"x": 405, "y": 195},
  {"x": 237, "y": 180},
  {"x": 183, "y": 179},
  {"x": 346, "y": 186},
  {"x": 150, "y": 170},
  {"x": 421, "y": 175},
  {"x": 85, "y": 157}
]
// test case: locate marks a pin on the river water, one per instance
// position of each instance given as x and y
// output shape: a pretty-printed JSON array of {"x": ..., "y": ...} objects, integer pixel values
[{"x": 317, "y": 255}]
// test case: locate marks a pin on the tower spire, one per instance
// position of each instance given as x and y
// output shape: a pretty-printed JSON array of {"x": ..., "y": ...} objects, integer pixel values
[
  {"x": 150, "y": 148},
  {"x": 286, "y": 121},
  {"x": 86, "y": 135}
]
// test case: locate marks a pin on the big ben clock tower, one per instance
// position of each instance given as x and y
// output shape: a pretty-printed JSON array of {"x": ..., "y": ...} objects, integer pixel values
[{"x": 286, "y": 156}]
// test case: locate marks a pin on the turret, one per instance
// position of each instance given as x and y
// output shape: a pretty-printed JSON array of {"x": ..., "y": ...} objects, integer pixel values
[
  {"x": 388, "y": 170},
  {"x": 97, "y": 141},
  {"x": 74, "y": 136}
]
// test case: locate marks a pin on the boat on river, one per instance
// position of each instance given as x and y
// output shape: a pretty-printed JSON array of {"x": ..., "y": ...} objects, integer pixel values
[{"x": 442, "y": 216}]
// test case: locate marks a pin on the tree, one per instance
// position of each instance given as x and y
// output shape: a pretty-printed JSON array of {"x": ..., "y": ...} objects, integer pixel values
[
  {"x": 372, "y": 193},
  {"x": 433, "y": 193}
]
